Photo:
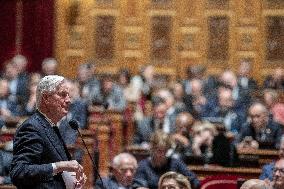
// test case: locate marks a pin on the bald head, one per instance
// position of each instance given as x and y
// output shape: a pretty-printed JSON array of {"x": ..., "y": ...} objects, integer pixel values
[{"x": 259, "y": 115}]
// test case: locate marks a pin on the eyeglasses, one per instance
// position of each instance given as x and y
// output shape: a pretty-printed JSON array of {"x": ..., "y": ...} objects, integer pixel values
[{"x": 281, "y": 170}]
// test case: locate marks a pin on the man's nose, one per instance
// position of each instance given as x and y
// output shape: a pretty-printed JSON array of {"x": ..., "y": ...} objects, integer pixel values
[{"x": 128, "y": 173}]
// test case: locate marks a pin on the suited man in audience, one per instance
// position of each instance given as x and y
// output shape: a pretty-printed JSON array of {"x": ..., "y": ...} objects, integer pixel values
[
  {"x": 262, "y": 130},
  {"x": 20, "y": 62},
  {"x": 267, "y": 170},
  {"x": 123, "y": 168},
  {"x": 278, "y": 175},
  {"x": 244, "y": 79},
  {"x": 241, "y": 96},
  {"x": 40, "y": 157},
  {"x": 49, "y": 66},
  {"x": 150, "y": 124},
  {"x": 108, "y": 93},
  {"x": 172, "y": 110},
  {"x": 224, "y": 112},
  {"x": 8, "y": 107}
]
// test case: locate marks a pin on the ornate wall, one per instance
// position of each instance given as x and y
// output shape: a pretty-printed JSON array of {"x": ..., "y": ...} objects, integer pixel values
[{"x": 171, "y": 34}]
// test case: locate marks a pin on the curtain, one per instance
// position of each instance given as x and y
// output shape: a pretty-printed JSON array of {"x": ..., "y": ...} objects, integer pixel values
[
  {"x": 37, "y": 31},
  {"x": 7, "y": 30}
]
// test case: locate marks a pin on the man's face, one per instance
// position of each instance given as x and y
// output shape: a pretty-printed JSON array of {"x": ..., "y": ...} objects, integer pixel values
[
  {"x": 158, "y": 156},
  {"x": 278, "y": 174},
  {"x": 59, "y": 101},
  {"x": 226, "y": 99},
  {"x": 160, "y": 111},
  {"x": 125, "y": 172},
  {"x": 4, "y": 88},
  {"x": 258, "y": 117}
]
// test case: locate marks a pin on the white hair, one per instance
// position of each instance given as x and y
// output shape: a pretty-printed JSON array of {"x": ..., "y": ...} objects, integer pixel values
[
  {"x": 20, "y": 59},
  {"x": 47, "y": 84},
  {"x": 117, "y": 160},
  {"x": 49, "y": 61}
]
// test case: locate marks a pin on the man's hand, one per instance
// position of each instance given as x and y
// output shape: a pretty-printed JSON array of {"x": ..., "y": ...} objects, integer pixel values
[{"x": 70, "y": 166}]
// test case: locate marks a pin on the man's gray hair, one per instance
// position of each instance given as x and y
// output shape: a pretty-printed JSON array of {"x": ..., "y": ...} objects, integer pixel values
[
  {"x": 47, "y": 84},
  {"x": 116, "y": 162}
]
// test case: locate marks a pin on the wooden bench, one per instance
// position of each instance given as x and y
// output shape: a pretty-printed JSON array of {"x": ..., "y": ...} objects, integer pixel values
[
  {"x": 258, "y": 157},
  {"x": 203, "y": 171}
]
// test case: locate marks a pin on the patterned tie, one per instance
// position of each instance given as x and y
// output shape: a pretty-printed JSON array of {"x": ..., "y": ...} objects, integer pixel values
[{"x": 55, "y": 128}]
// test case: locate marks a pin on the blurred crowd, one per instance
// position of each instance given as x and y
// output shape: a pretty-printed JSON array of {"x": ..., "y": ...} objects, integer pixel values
[{"x": 207, "y": 117}]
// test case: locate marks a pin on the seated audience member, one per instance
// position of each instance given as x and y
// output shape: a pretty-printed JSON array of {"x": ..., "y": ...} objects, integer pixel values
[
  {"x": 8, "y": 108},
  {"x": 178, "y": 94},
  {"x": 6, "y": 156},
  {"x": 151, "y": 169},
  {"x": 241, "y": 96},
  {"x": 255, "y": 184},
  {"x": 17, "y": 87},
  {"x": 267, "y": 170},
  {"x": 245, "y": 81},
  {"x": 123, "y": 168},
  {"x": 183, "y": 136},
  {"x": 275, "y": 80},
  {"x": 124, "y": 78},
  {"x": 144, "y": 82},
  {"x": 151, "y": 123},
  {"x": 49, "y": 67},
  {"x": 199, "y": 99},
  {"x": 264, "y": 132},
  {"x": 87, "y": 80},
  {"x": 109, "y": 93},
  {"x": 278, "y": 175},
  {"x": 172, "y": 110},
  {"x": 198, "y": 72},
  {"x": 173, "y": 180},
  {"x": 276, "y": 109},
  {"x": 224, "y": 111},
  {"x": 20, "y": 62},
  {"x": 30, "y": 106},
  {"x": 203, "y": 135}
]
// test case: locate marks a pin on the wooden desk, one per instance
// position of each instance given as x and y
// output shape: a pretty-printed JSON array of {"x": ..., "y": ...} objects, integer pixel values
[
  {"x": 262, "y": 156},
  {"x": 7, "y": 186},
  {"x": 210, "y": 170}
]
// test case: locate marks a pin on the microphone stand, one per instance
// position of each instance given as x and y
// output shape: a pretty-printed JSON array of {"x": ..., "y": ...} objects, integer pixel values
[{"x": 96, "y": 168}]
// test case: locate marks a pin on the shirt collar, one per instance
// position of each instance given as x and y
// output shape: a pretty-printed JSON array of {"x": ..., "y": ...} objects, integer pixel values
[{"x": 47, "y": 119}]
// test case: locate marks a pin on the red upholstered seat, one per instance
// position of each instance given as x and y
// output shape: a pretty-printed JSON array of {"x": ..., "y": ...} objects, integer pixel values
[{"x": 220, "y": 182}]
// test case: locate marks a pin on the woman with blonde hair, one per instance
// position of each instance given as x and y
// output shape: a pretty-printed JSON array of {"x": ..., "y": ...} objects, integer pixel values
[
  {"x": 173, "y": 180},
  {"x": 255, "y": 184}
]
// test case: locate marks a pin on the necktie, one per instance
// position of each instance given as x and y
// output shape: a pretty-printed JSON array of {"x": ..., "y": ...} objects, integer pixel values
[{"x": 56, "y": 130}]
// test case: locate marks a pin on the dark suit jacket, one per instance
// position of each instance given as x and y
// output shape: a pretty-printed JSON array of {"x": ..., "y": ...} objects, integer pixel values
[
  {"x": 109, "y": 182},
  {"x": 36, "y": 146},
  {"x": 272, "y": 135}
]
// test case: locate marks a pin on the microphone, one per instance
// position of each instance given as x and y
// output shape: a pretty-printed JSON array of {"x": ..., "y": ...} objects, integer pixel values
[{"x": 75, "y": 125}]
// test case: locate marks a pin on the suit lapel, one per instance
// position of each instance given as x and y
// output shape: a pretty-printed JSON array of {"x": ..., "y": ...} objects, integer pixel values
[{"x": 51, "y": 135}]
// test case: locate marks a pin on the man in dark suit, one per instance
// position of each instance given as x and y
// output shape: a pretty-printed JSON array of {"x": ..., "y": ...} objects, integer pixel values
[
  {"x": 263, "y": 131},
  {"x": 123, "y": 166},
  {"x": 40, "y": 156},
  {"x": 150, "y": 124}
]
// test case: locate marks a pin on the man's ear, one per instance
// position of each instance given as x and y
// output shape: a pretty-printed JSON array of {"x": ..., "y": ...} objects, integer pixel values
[{"x": 44, "y": 98}]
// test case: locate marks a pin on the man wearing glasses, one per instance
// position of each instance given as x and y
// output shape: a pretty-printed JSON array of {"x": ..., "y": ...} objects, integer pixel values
[{"x": 278, "y": 175}]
